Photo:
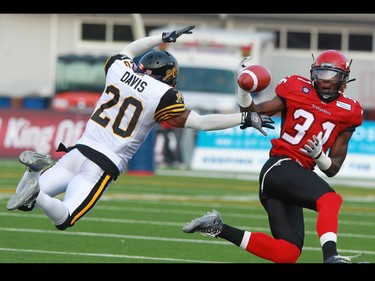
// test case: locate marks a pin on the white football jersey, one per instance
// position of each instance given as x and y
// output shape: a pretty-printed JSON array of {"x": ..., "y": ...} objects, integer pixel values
[{"x": 130, "y": 106}]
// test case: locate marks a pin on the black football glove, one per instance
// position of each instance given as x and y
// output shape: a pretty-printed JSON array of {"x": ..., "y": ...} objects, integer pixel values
[
  {"x": 257, "y": 121},
  {"x": 169, "y": 37}
]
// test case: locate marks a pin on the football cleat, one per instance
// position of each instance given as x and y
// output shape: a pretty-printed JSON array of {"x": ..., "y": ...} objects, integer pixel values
[
  {"x": 210, "y": 224},
  {"x": 27, "y": 207},
  {"x": 26, "y": 196},
  {"x": 342, "y": 259},
  {"x": 35, "y": 162}
]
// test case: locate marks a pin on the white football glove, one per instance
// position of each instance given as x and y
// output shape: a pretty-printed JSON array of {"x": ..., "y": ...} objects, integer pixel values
[
  {"x": 244, "y": 98},
  {"x": 315, "y": 150}
]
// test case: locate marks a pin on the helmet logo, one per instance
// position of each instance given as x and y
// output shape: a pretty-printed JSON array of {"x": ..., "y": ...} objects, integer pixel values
[
  {"x": 171, "y": 74},
  {"x": 180, "y": 98},
  {"x": 326, "y": 64}
]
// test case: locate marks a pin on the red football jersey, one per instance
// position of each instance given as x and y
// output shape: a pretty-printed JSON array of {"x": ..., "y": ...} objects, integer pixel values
[{"x": 306, "y": 115}]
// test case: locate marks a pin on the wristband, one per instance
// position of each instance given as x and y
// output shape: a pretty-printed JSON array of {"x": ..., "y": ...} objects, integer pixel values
[
  {"x": 323, "y": 161},
  {"x": 244, "y": 98}
]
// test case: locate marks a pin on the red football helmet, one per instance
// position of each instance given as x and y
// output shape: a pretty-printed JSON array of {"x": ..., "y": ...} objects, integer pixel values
[{"x": 329, "y": 74}]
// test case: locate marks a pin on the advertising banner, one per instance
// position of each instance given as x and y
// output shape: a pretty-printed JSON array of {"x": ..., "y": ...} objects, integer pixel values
[
  {"x": 237, "y": 150},
  {"x": 38, "y": 130},
  {"x": 43, "y": 131}
]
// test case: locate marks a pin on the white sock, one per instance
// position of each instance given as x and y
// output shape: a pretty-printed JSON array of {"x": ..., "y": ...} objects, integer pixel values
[
  {"x": 245, "y": 240},
  {"x": 329, "y": 236},
  {"x": 53, "y": 208}
]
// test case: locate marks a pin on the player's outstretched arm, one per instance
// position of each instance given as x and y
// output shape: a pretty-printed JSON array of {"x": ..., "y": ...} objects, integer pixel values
[
  {"x": 145, "y": 44},
  {"x": 171, "y": 37},
  {"x": 210, "y": 122},
  {"x": 257, "y": 121}
]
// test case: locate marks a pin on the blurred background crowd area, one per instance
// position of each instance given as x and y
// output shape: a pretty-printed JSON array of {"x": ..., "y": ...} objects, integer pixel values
[
  {"x": 54, "y": 63},
  {"x": 35, "y": 46}
]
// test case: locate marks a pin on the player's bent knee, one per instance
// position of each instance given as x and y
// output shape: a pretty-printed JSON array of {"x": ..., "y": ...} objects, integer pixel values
[
  {"x": 61, "y": 227},
  {"x": 330, "y": 200},
  {"x": 64, "y": 225},
  {"x": 289, "y": 253}
]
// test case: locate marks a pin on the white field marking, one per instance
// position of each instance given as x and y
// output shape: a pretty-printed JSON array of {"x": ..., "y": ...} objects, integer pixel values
[
  {"x": 166, "y": 239},
  {"x": 149, "y": 196},
  {"x": 165, "y": 223},
  {"x": 350, "y": 182},
  {"x": 104, "y": 255},
  {"x": 199, "y": 213},
  {"x": 196, "y": 214},
  {"x": 158, "y": 197},
  {"x": 112, "y": 235},
  {"x": 192, "y": 199}
]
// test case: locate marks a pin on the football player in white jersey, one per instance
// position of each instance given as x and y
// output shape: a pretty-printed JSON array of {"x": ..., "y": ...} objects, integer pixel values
[{"x": 134, "y": 100}]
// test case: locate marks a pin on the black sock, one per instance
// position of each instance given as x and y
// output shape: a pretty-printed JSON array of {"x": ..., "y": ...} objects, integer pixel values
[
  {"x": 232, "y": 234},
  {"x": 329, "y": 249}
]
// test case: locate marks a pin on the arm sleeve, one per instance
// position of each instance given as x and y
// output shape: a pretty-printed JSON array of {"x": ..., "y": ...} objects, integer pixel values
[
  {"x": 244, "y": 98},
  {"x": 211, "y": 122},
  {"x": 140, "y": 46},
  {"x": 323, "y": 161}
]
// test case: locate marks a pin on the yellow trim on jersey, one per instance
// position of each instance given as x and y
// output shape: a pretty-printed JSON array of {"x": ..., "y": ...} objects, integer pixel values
[
  {"x": 92, "y": 201},
  {"x": 169, "y": 111}
]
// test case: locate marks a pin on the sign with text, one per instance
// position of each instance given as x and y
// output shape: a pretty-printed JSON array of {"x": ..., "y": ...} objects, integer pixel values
[
  {"x": 237, "y": 150},
  {"x": 38, "y": 130}
]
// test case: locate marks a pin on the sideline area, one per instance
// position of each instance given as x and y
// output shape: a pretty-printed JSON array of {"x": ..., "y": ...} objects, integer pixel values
[{"x": 350, "y": 182}]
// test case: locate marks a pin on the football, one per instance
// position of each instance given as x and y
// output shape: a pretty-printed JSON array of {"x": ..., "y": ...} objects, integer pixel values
[{"x": 254, "y": 78}]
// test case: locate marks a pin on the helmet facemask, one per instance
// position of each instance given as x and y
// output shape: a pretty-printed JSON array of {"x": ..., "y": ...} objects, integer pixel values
[{"x": 328, "y": 82}]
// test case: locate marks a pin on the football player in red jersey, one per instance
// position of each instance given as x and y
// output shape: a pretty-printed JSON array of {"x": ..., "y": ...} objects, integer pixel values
[{"x": 316, "y": 117}]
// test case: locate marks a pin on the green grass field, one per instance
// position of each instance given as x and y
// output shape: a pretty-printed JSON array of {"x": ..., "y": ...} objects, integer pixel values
[{"x": 140, "y": 219}]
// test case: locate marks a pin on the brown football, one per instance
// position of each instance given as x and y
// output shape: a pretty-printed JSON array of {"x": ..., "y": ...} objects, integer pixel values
[{"x": 254, "y": 78}]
